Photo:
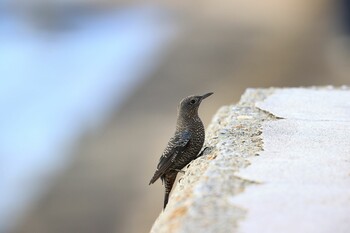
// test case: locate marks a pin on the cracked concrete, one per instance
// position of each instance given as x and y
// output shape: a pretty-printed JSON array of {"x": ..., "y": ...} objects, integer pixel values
[{"x": 270, "y": 167}]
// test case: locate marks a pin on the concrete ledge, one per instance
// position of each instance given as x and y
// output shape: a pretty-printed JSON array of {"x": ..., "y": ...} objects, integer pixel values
[{"x": 278, "y": 161}]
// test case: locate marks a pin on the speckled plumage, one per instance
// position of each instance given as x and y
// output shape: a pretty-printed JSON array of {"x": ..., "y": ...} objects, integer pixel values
[{"x": 184, "y": 146}]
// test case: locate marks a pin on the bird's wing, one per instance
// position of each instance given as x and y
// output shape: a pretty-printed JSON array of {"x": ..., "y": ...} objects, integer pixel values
[{"x": 175, "y": 147}]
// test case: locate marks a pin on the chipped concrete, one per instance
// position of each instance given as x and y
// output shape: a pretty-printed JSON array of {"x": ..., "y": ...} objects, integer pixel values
[
  {"x": 262, "y": 173},
  {"x": 202, "y": 196}
]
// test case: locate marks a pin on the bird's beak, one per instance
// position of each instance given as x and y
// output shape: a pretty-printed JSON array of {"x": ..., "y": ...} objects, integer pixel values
[{"x": 206, "y": 95}]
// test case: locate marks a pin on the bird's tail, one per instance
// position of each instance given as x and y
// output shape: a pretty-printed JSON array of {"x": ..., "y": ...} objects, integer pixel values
[
  {"x": 169, "y": 180},
  {"x": 166, "y": 199},
  {"x": 155, "y": 177}
]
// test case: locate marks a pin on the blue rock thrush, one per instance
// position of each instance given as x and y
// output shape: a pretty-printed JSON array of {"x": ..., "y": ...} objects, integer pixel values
[{"x": 184, "y": 146}]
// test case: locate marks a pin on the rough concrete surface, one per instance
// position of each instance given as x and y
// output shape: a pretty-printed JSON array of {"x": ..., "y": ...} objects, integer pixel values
[{"x": 278, "y": 161}]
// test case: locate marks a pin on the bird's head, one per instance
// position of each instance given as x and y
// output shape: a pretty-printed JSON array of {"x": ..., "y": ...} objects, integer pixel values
[{"x": 189, "y": 105}]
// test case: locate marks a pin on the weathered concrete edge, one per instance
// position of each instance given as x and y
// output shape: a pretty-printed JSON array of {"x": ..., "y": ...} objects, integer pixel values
[{"x": 201, "y": 200}]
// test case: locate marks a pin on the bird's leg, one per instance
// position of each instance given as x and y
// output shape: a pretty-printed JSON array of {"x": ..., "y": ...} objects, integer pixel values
[
  {"x": 179, "y": 170},
  {"x": 199, "y": 155}
]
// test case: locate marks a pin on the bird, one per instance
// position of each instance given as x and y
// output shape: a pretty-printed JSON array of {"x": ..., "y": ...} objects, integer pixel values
[{"x": 185, "y": 144}]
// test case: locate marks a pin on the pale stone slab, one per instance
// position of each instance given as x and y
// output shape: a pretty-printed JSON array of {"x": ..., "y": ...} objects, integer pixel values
[{"x": 304, "y": 169}]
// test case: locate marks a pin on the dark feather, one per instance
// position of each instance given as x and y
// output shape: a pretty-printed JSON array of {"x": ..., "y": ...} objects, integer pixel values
[{"x": 175, "y": 147}]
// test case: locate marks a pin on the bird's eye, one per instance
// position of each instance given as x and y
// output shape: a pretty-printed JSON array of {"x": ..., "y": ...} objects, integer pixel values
[{"x": 193, "y": 101}]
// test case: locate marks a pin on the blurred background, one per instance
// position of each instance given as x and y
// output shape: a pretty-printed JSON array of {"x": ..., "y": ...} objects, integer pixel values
[{"x": 89, "y": 90}]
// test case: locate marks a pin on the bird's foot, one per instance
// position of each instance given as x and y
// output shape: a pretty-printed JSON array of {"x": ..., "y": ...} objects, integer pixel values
[{"x": 202, "y": 151}]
